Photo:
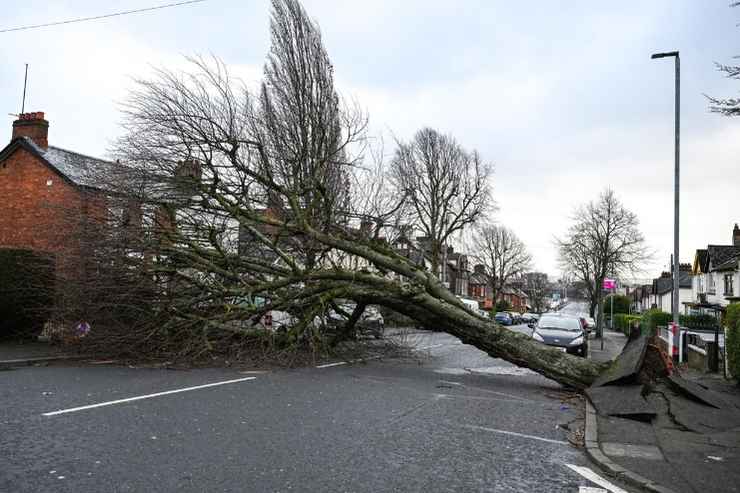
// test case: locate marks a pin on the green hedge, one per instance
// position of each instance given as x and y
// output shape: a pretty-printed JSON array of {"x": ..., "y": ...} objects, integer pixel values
[
  {"x": 622, "y": 322},
  {"x": 503, "y": 306},
  {"x": 698, "y": 321},
  {"x": 654, "y": 318},
  {"x": 732, "y": 344},
  {"x": 621, "y": 304}
]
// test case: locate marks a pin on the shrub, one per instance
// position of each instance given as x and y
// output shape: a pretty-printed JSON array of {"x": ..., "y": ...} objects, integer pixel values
[
  {"x": 654, "y": 318},
  {"x": 26, "y": 292},
  {"x": 698, "y": 321},
  {"x": 622, "y": 322},
  {"x": 732, "y": 344},
  {"x": 503, "y": 306},
  {"x": 621, "y": 304}
]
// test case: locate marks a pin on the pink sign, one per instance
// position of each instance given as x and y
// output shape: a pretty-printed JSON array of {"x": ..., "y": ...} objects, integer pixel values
[{"x": 610, "y": 284}]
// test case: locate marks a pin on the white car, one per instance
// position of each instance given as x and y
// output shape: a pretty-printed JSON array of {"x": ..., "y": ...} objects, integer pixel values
[{"x": 473, "y": 306}]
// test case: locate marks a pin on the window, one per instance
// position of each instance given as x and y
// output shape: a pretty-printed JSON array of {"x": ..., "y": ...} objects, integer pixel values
[
  {"x": 729, "y": 291},
  {"x": 710, "y": 283}
]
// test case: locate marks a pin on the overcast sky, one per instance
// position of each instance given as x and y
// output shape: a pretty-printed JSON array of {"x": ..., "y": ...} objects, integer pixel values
[{"x": 563, "y": 99}]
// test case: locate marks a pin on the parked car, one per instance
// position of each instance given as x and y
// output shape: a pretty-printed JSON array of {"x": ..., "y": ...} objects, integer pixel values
[
  {"x": 371, "y": 321},
  {"x": 273, "y": 320},
  {"x": 562, "y": 331},
  {"x": 504, "y": 318},
  {"x": 516, "y": 318},
  {"x": 529, "y": 318},
  {"x": 473, "y": 306}
]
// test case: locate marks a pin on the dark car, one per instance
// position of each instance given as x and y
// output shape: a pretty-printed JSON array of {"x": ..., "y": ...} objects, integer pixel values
[
  {"x": 503, "y": 318},
  {"x": 516, "y": 318},
  {"x": 370, "y": 323},
  {"x": 563, "y": 332}
]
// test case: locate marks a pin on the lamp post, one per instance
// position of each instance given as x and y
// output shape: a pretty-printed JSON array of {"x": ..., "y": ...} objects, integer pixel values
[{"x": 676, "y": 182}]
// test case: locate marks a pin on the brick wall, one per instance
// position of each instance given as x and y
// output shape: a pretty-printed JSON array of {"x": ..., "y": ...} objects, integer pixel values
[{"x": 39, "y": 209}]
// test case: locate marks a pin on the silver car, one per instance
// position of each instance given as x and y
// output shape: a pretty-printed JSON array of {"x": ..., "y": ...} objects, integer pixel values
[{"x": 561, "y": 331}]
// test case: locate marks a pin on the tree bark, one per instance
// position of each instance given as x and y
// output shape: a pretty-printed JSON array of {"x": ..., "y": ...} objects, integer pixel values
[{"x": 487, "y": 336}]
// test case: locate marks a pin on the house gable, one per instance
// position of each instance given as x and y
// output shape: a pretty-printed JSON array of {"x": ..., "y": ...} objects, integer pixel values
[
  {"x": 37, "y": 201},
  {"x": 27, "y": 145}
]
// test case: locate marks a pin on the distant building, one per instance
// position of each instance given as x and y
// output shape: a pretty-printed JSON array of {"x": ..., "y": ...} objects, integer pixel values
[
  {"x": 662, "y": 289},
  {"x": 716, "y": 281}
]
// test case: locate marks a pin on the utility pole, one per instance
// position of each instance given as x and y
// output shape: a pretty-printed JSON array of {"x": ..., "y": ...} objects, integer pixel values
[{"x": 676, "y": 189}]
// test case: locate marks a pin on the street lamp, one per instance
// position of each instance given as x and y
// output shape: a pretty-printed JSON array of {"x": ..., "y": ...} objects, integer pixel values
[{"x": 676, "y": 261}]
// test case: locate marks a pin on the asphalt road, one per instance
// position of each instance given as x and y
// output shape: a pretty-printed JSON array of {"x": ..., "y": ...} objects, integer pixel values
[
  {"x": 449, "y": 419},
  {"x": 575, "y": 308}
]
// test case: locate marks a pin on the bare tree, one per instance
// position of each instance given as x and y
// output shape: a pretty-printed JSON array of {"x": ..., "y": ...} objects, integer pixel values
[
  {"x": 502, "y": 253},
  {"x": 447, "y": 188},
  {"x": 538, "y": 289},
  {"x": 256, "y": 213},
  {"x": 727, "y": 106},
  {"x": 604, "y": 239}
]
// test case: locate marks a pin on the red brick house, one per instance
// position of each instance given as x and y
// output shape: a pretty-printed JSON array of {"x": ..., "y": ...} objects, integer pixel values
[{"x": 45, "y": 191}]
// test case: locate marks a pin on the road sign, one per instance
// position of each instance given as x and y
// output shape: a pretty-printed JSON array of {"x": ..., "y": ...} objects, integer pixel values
[{"x": 610, "y": 284}]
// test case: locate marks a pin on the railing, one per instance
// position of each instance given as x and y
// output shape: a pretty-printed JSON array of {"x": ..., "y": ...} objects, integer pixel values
[{"x": 709, "y": 341}]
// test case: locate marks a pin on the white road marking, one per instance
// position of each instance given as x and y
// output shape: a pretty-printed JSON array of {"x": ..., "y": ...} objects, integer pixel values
[
  {"x": 332, "y": 364},
  {"x": 148, "y": 396},
  {"x": 501, "y": 370},
  {"x": 595, "y": 478},
  {"x": 338, "y": 363},
  {"x": 520, "y": 435},
  {"x": 451, "y": 383},
  {"x": 590, "y": 489}
]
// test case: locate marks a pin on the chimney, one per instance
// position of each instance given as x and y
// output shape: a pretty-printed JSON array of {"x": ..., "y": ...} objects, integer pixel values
[
  {"x": 34, "y": 126},
  {"x": 736, "y": 236}
]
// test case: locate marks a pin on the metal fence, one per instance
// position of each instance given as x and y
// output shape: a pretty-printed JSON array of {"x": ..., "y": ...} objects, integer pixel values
[{"x": 709, "y": 342}]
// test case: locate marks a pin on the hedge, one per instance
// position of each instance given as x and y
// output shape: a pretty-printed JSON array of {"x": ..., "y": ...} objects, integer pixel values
[
  {"x": 698, "y": 321},
  {"x": 621, "y": 304},
  {"x": 654, "y": 318},
  {"x": 732, "y": 343},
  {"x": 26, "y": 292},
  {"x": 623, "y": 322}
]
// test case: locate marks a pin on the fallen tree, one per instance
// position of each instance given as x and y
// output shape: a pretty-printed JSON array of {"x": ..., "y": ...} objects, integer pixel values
[{"x": 256, "y": 203}]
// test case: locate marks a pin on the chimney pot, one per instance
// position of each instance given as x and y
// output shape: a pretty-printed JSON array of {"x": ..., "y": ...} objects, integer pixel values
[
  {"x": 34, "y": 126},
  {"x": 736, "y": 236}
]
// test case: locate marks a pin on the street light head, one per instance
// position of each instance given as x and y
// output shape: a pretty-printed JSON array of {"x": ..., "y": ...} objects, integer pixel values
[{"x": 664, "y": 55}]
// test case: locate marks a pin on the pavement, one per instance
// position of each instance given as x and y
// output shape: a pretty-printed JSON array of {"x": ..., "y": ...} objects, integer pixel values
[
  {"x": 447, "y": 418},
  {"x": 13, "y": 354},
  {"x": 681, "y": 436}
]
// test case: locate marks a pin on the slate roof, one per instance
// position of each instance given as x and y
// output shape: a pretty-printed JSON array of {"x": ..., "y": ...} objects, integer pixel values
[
  {"x": 478, "y": 278},
  {"x": 730, "y": 264},
  {"x": 664, "y": 285},
  {"x": 77, "y": 168},
  {"x": 720, "y": 254}
]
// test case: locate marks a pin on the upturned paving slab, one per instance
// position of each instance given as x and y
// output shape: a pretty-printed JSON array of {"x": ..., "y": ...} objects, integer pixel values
[{"x": 690, "y": 444}]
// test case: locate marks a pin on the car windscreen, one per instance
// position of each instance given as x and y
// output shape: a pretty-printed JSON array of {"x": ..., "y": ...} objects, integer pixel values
[{"x": 560, "y": 323}]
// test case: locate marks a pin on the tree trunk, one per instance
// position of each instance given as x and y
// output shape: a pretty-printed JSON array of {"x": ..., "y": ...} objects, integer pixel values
[
  {"x": 347, "y": 331},
  {"x": 487, "y": 336}
]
